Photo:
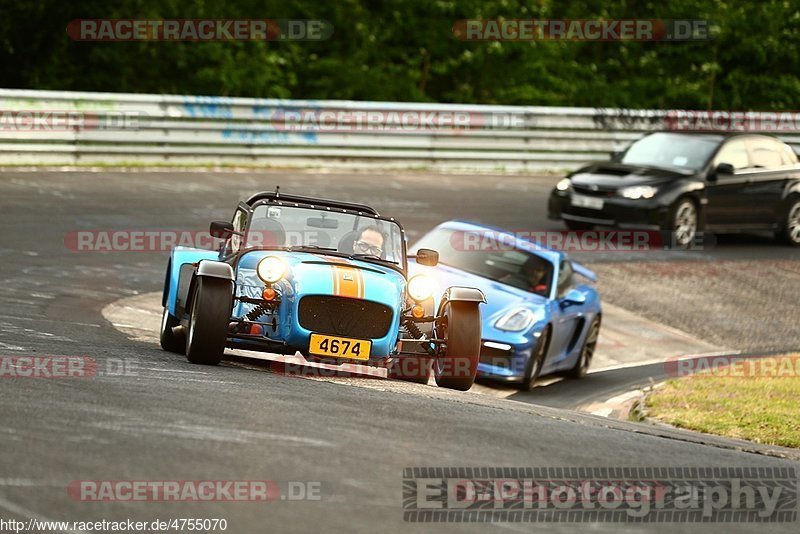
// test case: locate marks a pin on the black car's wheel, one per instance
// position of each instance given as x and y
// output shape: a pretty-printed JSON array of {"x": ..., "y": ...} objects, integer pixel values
[
  {"x": 460, "y": 326},
  {"x": 790, "y": 229},
  {"x": 682, "y": 223},
  {"x": 169, "y": 340},
  {"x": 587, "y": 351},
  {"x": 577, "y": 225},
  {"x": 536, "y": 361},
  {"x": 208, "y": 321},
  {"x": 411, "y": 369}
]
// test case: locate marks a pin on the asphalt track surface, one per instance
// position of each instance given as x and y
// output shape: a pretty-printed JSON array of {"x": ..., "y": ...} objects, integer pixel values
[{"x": 170, "y": 420}]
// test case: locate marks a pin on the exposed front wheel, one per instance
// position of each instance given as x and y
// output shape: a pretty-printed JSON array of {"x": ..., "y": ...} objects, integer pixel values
[
  {"x": 536, "y": 361},
  {"x": 683, "y": 222},
  {"x": 208, "y": 321},
  {"x": 460, "y": 326},
  {"x": 587, "y": 351},
  {"x": 790, "y": 229},
  {"x": 169, "y": 340}
]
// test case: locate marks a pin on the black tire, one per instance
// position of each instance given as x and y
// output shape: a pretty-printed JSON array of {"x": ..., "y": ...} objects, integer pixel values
[
  {"x": 790, "y": 226},
  {"x": 208, "y": 322},
  {"x": 682, "y": 223},
  {"x": 461, "y": 328},
  {"x": 577, "y": 225},
  {"x": 587, "y": 351},
  {"x": 411, "y": 369},
  {"x": 535, "y": 362},
  {"x": 169, "y": 341}
]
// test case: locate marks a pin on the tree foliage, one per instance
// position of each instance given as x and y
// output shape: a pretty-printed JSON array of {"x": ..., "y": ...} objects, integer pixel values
[{"x": 405, "y": 50}]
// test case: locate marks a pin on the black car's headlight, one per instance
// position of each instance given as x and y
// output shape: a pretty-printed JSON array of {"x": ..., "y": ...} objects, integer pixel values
[
  {"x": 638, "y": 191},
  {"x": 564, "y": 185}
]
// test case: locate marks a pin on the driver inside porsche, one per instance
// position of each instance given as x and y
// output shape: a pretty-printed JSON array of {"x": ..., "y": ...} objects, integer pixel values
[{"x": 533, "y": 276}]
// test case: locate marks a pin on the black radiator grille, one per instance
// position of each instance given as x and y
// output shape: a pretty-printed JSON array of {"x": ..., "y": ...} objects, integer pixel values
[{"x": 346, "y": 317}]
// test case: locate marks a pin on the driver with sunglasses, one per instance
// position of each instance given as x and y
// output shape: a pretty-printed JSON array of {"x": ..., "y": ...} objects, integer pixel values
[{"x": 369, "y": 241}]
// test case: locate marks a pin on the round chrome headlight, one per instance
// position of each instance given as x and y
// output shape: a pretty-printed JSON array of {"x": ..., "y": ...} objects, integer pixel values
[
  {"x": 421, "y": 287},
  {"x": 271, "y": 269}
]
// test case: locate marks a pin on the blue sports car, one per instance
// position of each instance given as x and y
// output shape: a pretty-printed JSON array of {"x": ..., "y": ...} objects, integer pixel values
[
  {"x": 326, "y": 278},
  {"x": 540, "y": 317}
]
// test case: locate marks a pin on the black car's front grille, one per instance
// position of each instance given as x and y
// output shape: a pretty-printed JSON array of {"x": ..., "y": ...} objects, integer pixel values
[
  {"x": 592, "y": 192},
  {"x": 346, "y": 317}
]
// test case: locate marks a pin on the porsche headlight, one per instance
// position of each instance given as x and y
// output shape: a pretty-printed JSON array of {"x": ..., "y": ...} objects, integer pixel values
[
  {"x": 638, "y": 191},
  {"x": 271, "y": 269},
  {"x": 420, "y": 287},
  {"x": 516, "y": 320},
  {"x": 564, "y": 185}
]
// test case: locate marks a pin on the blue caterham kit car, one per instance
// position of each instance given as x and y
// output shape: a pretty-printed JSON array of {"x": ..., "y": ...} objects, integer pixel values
[
  {"x": 540, "y": 317},
  {"x": 326, "y": 278}
]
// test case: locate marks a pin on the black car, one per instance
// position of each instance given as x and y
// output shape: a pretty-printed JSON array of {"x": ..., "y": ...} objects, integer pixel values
[{"x": 685, "y": 183}]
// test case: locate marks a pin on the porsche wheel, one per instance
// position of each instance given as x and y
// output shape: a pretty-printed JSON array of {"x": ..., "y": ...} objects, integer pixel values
[
  {"x": 170, "y": 341},
  {"x": 587, "y": 351},
  {"x": 208, "y": 321},
  {"x": 411, "y": 369},
  {"x": 460, "y": 326},
  {"x": 536, "y": 361},
  {"x": 790, "y": 229}
]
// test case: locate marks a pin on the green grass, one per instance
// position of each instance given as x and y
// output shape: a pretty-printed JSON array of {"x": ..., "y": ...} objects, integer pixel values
[{"x": 761, "y": 406}]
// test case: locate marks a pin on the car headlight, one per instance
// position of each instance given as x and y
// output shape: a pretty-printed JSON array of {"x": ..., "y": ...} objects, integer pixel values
[
  {"x": 271, "y": 269},
  {"x": 564, "y": 185},
  {"x": 638, "y": 191},
  {"x": 421, "y": 287},
  {"x": 516, "y": 320}
]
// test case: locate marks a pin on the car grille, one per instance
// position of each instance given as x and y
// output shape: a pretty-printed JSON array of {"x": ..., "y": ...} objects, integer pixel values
[
  {"x": 582, "y": 190},
  {"x": 496, "y": 357},
  {"x": 347, "y": 317}
]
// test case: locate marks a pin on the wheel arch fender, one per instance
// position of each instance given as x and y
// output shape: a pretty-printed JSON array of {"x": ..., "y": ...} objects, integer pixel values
[
  {"x": 210, "y": 269},
  {"x": 461, "y": 294}
]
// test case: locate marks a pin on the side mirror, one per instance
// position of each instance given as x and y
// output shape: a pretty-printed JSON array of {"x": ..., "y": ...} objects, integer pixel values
[
  {"x": 426, "y": 256},
  {"x": 221, "y": 229},
  {"x": 572, "y": 298},
  {"x": 724, "y": 168}
]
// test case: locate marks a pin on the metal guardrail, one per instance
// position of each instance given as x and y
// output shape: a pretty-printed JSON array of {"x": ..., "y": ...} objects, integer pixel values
[{"x": 81, "y": 128}]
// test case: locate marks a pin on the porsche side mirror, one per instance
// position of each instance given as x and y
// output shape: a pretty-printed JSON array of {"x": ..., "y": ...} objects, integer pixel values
[
  {"x": 221, "y": 229},
  {"x": 426, "y": 256},
  {"x": 572, "y": 298}
]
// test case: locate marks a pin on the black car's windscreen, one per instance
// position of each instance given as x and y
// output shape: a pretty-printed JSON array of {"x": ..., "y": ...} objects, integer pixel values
[
  {"x": 671, "y": 150},
  {"x": 348, "y": 233},
  {"x": 479, "y": 253}
]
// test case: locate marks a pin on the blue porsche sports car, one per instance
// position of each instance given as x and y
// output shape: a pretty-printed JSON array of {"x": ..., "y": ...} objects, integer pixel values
[
  {"x": 540, "y": 317},
  {"x": 326, "y": 278}
]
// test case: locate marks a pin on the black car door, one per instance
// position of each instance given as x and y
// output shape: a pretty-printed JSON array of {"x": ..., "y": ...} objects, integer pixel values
[
  {"x": 766, "y": 179},
  {"x": 725, "y": 192}
]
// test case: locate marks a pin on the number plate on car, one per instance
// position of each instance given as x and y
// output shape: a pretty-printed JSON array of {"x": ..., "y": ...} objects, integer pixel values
[
  {"x": 339, "y": 347},
  {"x": 581, "y": 201}
]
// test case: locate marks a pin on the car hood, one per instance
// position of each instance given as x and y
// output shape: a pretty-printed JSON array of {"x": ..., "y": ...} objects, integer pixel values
[
  {"x": 321, "y": 274},
  {"x": 609, "y": 175}
]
